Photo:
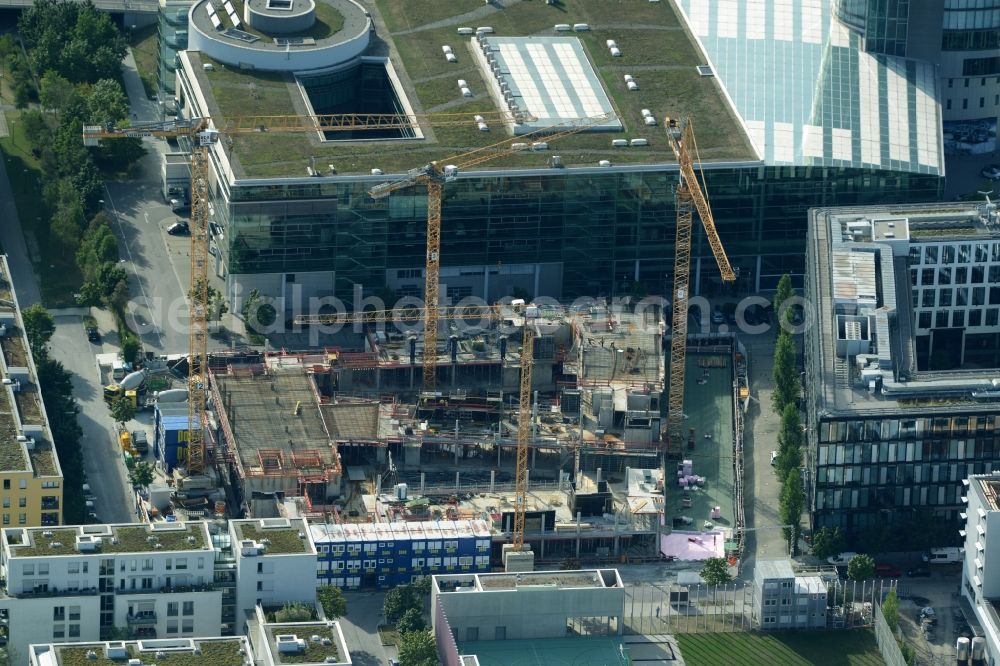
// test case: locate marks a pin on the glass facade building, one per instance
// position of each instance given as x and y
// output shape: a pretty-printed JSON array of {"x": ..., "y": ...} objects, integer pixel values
[
  {"x": 607, "y": 229},
  {"x": 830, "y": 124},
  {"x": 172, "y": 24},
  {"x": 891, "y": 433}
]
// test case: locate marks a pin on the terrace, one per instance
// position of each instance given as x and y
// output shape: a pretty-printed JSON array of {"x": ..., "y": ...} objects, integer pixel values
[
  {"x": 655, "y": 49},
  {"x": 322, "y": 643},
  {"x": 283, "y": 540}
]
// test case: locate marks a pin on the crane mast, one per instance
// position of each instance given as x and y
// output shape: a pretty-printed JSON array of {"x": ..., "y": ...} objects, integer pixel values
[
  {"x": 689, "y": 197},
  {"x": 198, "y": 308},
  {"x": 523, "y": 434}
]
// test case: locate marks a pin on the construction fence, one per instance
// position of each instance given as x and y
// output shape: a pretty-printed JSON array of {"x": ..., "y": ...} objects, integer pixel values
[{"x": 662, "y": 608}]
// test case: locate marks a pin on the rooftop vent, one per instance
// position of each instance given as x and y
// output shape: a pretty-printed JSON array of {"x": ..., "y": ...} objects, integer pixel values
[
  {"x": 192, "y": 540},
  {"x": 705, "y": 70},
  {"x": 91, "y": 654},
  {"x": 290, "y": 643},
  {"x": 56, "y": 544},
  {"x": 135, "y": 662},
  {"x": 48, "y": 534},
  {"x": 316, "y": 638}
]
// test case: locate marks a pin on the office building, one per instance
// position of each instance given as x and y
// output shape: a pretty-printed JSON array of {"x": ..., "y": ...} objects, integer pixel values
[
  {"x": 961, "y": 38},
  {"x": 31, "y": 478},
  {"x": 489, "y": 615},
  {"x": 293, "y": 218},
  {"x": 901, "y": 352},
  {"x": 389, "y": 554},
  {"x": 981, "y": 563},
  {"x": 784, "y": 600}
]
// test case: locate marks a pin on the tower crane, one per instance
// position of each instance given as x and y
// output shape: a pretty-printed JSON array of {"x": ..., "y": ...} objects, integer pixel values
[
  {"x": 204, "y": 133},
  {"x": 689, "y": 197},
  {"x": 434, "y": 176}
]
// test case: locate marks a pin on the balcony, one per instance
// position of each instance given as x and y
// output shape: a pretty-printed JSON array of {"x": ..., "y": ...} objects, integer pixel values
[
  {"x": 141, "y": 619},
  {"x": 174, "y": 589}
]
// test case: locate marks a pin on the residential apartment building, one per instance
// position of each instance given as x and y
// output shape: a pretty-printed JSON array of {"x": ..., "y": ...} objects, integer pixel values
[
  {"x": 783, "y": 600},
  {"x": 389, "y": 554},
  {"x": 280, "y": 643},
  {"x": 31, "y": 480},
  {"x": 981, "y": 564},
  {"x": 900, "y": 363},
  {"x": 81, "y": 583},
  {"x": 202, "y": 651},
  {"x": 161, "y": 580},
  {"x": 275, "y": 562}
]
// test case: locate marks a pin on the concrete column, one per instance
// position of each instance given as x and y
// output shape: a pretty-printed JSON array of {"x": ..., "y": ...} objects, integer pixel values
[
  {"x": 578, "y": 516},
  {"x": 422, "y": 478},
  {"x": 458, "y": 480},
  {"x": 599, "y": 479},
  {"x": 541, "y": 540},
  {"x": 493, "y": 478}
]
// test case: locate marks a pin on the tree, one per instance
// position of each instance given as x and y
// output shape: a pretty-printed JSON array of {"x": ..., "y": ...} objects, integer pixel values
[
  {"x": 122, "y": 410},
  {"x": 35, "y": 127},
  {"x": 257, "y": 312},
  {"x": 130, "y": 348},
  {"x": 827, "y": 541},
  {"x": 56, "y": 93},
  {"x": 418, "y": 648},
  {"x": 784, "y": 292},
  {"x": 217, "y": 306},
  {"x": 784, "y": 374},
  {"x": 332, "y": 600},
  {"x": 293, "y": 612},
  {"x": 106, "y": 103},
  {"x": 39, "y": 327},
  {"x": 412, "y": 620},
  {"x": 142, "y": 475},
  {"x": 790, "y": 504},
  {"x": 890, "y": 609},
  {"x": 715, "y": 571},
  {"x": 861, "y": 567},
  {"x": 789, "y": 442},
  {"x": 422, "y": 586},
  {"x": 68, "y": 224},
  {"x": 398, "y": 600}
]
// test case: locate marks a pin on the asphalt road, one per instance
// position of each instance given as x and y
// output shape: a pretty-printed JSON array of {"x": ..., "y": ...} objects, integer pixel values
[{"x": 101, "y": 459}]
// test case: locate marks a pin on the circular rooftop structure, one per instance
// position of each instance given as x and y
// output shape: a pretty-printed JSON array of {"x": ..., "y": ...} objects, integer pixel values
[
  {"x": 280, "y": 17},
  {"x": 279, "y": 35}
]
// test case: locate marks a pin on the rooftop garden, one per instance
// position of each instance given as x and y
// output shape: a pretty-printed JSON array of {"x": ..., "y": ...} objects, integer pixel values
[
  {"x": 315, "y": 652},
  {"x": 656, "y": 50},
  {"x": 41, "y": 540},
  {"x": 43, "y": 459},
  {"x": 11, "y": 451},
  {"x": 137, "y": 539},
  {"x": 27, "y": 405},
  {"x": 283, "y": 540},
  {"x": 14, "y": 350},
  {"x": 213, "y": 653}
]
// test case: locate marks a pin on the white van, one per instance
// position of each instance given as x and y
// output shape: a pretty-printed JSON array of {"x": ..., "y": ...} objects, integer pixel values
[{"x": 950, "y": 555}]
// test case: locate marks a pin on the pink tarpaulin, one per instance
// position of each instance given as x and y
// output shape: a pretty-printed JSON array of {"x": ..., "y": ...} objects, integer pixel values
[{"x": 693, "y": 545}]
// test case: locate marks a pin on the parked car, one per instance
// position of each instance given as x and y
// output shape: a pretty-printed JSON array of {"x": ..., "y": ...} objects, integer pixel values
[
  {"x": 774, "y": 457},
  {"x": 179, "y": 229},
  {"x": 991, "y": 171},
  {"x": 884, "y": 570},
  {"x": 919, "y": 572},
  {"x": 93, "y": 335},
  {"x": 842, "y": 559}
]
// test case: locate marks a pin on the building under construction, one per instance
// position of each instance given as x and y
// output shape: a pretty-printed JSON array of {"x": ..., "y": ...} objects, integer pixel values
[{"x": 273, "y": 441}]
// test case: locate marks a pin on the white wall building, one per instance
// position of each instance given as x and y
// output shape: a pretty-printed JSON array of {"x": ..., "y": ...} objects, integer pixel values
[
  {"x": 78, "y": 583},
  {"x": 275, "y": 563},
  {"x": 215, "y": 651}
]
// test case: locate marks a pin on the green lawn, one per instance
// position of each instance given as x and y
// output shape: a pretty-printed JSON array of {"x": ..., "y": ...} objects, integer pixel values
[
  {"x": 59, "y": 276},
  {"x": 803, "y": 648},
  {"x": 146, "y": 51}
]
